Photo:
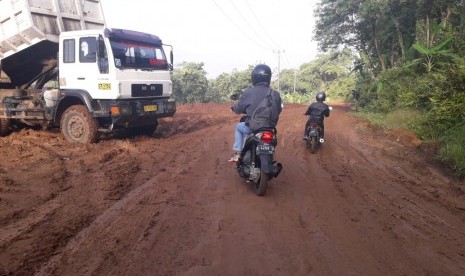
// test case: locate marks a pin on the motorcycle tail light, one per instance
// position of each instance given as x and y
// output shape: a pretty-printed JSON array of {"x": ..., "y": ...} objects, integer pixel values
[{"x": 267, "y": 137}]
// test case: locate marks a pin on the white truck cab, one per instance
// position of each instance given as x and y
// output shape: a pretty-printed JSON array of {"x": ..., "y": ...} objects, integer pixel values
[{"x": 86, "y": 81}]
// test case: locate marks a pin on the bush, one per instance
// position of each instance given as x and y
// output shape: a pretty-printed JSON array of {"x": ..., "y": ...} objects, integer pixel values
[{"x": 453, "y": 150}]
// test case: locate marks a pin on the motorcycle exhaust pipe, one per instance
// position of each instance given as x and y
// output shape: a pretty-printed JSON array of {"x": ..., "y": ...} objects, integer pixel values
[{"x": 322, "y": 140}]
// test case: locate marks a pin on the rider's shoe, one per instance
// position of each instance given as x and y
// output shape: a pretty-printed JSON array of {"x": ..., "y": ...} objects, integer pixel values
[{"x": 235, "y": 157}]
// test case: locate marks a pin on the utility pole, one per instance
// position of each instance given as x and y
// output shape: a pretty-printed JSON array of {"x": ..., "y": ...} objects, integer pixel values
[
  {"x": 295, "y": 76},
  {"x": 279, "y": 67}
]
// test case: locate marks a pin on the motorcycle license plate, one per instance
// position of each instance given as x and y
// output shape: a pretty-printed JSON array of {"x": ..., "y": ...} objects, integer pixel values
[
  {"x": 150, "y": 108},
  {"x": 265, "y": 149}
]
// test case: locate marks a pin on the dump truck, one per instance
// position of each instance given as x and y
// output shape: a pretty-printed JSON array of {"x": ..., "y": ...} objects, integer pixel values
[{"x": 62, "y": 67}]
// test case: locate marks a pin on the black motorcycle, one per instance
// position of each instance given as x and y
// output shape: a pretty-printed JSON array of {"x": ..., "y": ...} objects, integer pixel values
[
  {"x": 256, "y": 163},
  {"x": 313, "y": 137}
]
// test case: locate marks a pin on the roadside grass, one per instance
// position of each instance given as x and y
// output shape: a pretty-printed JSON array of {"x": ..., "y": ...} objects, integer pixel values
[
  {"x": 403, "y": 119},
  {"x": 453, "y": 148},
  {"x": 452, "y": 143}
]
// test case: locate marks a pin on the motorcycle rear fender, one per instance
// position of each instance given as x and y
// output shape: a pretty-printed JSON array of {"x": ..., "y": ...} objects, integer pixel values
[{"x": 313, "y": 132}]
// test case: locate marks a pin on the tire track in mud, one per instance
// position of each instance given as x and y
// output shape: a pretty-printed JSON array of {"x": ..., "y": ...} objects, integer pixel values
[
  {"x": 312, "y": 188},
  {"x": 26, "y": 172},
  {"x": 146, "y": 214},
  {"x": 354, "y": 175},
  {"x": 49, "y": 223},
  {"x": 383, "y": 185}
]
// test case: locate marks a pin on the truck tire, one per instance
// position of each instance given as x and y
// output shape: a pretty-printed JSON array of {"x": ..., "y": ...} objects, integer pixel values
[
  {"x": 78, "y": 126},
  {"x": 4, "y": 126}
]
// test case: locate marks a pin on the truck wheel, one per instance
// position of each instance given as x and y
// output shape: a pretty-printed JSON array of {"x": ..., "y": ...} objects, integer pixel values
[
  {"x": 4, "y": 126},
  {"x": 78, "y": 126}
]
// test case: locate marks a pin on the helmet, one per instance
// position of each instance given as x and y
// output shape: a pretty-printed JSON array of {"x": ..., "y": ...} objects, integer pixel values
[
  {"x": 261, "y": 73},
  {"x": 320, "y": 96}
]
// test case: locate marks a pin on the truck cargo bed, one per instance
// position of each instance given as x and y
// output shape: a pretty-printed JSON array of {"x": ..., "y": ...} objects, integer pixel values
[{"x": 29, "y": 31}]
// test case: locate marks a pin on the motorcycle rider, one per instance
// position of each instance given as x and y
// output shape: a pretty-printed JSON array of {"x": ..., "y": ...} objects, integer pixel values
[
  {"x": 317, "y": 111},
  {"x": 248, "y": 101}
]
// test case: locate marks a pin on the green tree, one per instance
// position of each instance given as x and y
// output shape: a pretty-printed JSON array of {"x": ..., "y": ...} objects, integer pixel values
[
  {"x": 329, "y": 72},
  {"x": 190, "y": 83},
  {"x": 381, "y": 30},
  {"x": 221, "y": 88},
  {"x": 290, "y": 82}
]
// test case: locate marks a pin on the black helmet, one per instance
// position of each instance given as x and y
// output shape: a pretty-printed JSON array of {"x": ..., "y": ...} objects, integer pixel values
[
  {"x": 261, "y": 73},
  {"x": 320, "y": 96}
]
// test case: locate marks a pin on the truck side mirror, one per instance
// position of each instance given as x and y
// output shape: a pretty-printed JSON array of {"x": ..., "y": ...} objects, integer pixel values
[
  {"x": 102, "y": 56},
  {"x": 171, "y": 63}
]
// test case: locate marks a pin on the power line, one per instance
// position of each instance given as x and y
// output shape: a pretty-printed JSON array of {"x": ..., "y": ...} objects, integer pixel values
[
  {"x": 240, "y": 30},
  {"x": 279, "y": 67},
  {"x": 269, "y": 37},
  {"x": 287, "y": 60},
  {"x": 248, "y": 24},
  {"x": 261, "y": 26}
]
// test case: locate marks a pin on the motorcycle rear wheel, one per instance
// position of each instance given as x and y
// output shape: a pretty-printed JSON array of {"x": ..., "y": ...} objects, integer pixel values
[
  {"x": 312, "y": 143},
  {"x": 261, "y": 184},
  {"x": 4, "y": 126}
]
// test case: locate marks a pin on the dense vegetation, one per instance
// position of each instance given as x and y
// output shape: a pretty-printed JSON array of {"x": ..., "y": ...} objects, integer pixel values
[
  {"x": 405, "y": 57},
  {"x": 331, "y": 72},
  {"x": 410, "y": 60}
]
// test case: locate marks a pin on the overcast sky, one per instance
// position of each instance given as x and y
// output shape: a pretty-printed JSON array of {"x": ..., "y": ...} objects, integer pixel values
[{"x": 224, "y": 34}]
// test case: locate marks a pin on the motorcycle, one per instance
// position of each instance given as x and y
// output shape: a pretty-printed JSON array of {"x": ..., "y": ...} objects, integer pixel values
[
  {"x": 313, "y": 137},
  {"x": 256, "y": 162}
]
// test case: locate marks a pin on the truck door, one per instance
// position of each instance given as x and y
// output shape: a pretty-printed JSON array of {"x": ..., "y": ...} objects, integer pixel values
[{"x": 83, "y": 72}]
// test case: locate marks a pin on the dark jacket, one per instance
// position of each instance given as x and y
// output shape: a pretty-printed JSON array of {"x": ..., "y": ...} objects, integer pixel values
[
  {"x": 252, "y": 97},
  {"x": 317, "y": 111}
]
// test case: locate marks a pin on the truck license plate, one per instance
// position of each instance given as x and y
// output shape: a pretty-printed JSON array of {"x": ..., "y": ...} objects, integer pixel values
[
  {"x": 150, "y": 108},
  {"x": 265, "y": 149}
]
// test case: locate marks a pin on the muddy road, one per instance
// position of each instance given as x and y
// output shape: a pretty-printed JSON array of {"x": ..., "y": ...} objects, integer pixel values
[{"x": 368, "y": 203}]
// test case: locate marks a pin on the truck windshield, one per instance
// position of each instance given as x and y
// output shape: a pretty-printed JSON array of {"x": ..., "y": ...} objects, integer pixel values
[{"x": 138, "y": 55}]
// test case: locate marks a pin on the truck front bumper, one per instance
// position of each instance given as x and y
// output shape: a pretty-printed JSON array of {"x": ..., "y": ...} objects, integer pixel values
[{"x": 135, "y": 113}]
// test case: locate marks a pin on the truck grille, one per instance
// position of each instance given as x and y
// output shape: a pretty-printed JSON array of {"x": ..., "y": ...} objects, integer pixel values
[{"x": 146, "y": 90}]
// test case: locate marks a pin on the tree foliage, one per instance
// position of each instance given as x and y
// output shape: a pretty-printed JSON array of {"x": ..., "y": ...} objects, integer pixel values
[
  {"x": 329, "y": 72},
  {"x": 190, "y": 83},
  {"x": 382, "y": 30},
  {"x": 225, "y": 85}
]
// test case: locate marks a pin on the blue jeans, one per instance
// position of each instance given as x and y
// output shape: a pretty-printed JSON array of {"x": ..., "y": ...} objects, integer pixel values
[{"x": 241, "y": 131}]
